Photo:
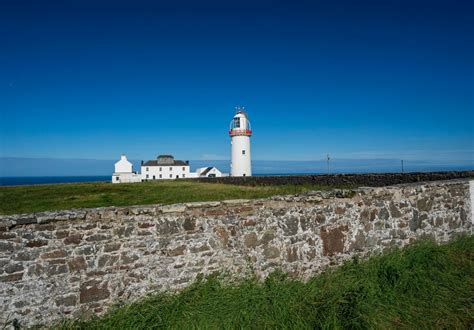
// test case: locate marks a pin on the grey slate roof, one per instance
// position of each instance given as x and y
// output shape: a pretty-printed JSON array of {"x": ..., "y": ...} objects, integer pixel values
[
  {"x": 206, "y": 170},
  {"x": 165, "y": 160}
]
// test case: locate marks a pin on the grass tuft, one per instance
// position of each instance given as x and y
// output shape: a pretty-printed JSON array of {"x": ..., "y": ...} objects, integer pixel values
[{"x": 422, "y": 286}]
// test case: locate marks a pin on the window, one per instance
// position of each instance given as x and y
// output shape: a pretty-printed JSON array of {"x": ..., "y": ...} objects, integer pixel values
[
  {"x": 184, "y": 169},
  {"x": 160, "y": 169},
  {"x": 116, "y": 178},
  {"x": 184, "y": 176},
  {"x": 171, "y": 176},
  {"x": 236, "y": 123},
  {"x": 171, "y": 168},
  {"x": 147, "y": 169},
  {"x": 147, "y": 176},
  {"x": 243, "y": 152},
  {"x": 161, "y": 176},
  {"x": 153, "y": 177}
]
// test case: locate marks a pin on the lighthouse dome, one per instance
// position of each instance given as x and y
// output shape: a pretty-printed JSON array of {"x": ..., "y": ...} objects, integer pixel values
[{"x": 240, "y": 124}]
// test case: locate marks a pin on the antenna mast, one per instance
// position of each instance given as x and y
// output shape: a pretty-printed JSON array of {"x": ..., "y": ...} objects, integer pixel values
[{"x": 328, "y": 158}]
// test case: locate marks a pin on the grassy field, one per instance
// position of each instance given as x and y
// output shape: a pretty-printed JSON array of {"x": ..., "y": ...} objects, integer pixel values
[
  {"x": 425, "y": 286},
  {"x": 35, "y": 198}
]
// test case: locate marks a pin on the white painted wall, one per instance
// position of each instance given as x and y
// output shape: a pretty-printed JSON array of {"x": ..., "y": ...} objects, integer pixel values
[
  {"x": 123, "y": 165},
  {"x": 241, "y": 162},
  {"x": 165, "y": 172},
  {"x": 126, "y": 177}
]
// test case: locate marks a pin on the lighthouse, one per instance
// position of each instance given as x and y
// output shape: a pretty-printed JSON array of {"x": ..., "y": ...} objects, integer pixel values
[{"x": 240, "y": 132}]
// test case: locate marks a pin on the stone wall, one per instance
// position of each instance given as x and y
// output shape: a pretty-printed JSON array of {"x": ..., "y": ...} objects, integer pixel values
[
  {"x": 78, "y": 262},
  {"x": 369, "y": 180}
]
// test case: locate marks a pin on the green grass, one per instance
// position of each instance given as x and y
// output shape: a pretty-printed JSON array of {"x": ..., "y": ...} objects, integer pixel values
[
  {"x": 424, "y": 286},
  {"x": 36, "y": 198}
]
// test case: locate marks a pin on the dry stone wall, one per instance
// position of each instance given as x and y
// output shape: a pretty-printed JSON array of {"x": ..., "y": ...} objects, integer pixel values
[{"x": 79, "y": 262}]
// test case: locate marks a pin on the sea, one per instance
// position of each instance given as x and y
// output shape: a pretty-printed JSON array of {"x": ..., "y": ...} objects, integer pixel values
[{"x": 29, "y": 180}]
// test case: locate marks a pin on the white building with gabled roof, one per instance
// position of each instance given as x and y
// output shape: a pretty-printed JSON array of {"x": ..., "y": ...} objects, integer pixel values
[
  {"x": 165, "y": 167},
  {"x": 124, "y": 172},
  {"x": 208, "y": 172}
]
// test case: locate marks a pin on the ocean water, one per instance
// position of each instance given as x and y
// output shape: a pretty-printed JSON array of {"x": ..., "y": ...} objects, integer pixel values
[{"x": 28, "y": 180}]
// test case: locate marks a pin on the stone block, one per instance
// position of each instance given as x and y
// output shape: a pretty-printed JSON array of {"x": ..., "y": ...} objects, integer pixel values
[
  {"x": 249, "y": 223},
  {"x": 235, "y": 201},
  {"x": 250, "y": 240},
  {"x": 223, "y": 235},
  {"x": 66, "y": 300},
  {"x": 424, "y": 204},
  {"x": 271, "y": 252},
  {"x": 394, "y": 211},
  {"x": 267, "y": 237},
  {"x": 177, "y": 208},
  {"x": 6, "y": 246},
  {"x": 189, "y": 224},
  {"x": 54, "y": 254},
  {"x": 107, "y": 260},
  {"x": 111, "y": 247},
  {"x": 12, "y": 277},
  {"x": 168, "y": 227},
  {"x": 290, "y": 225},
  {"x": 333, "y": 240},
  {"x": 77, "y": 264},
  {"x": 358, "y": 244},
  {"x": 93, "y": 291},
  {"x": 36, "y": 243},
  {"x": 13, "y": 268},
  {"x": 128, "y": 257},
  {"x": 383, "y": 214},
  {"x": 415, "y": 222},
  {"x": 85, "y": 250},
  {"x": 292, "y": 254},
  {"x": 62, "y": 233},
  {"x": 73, "y": 239},
  {"x": 52, "y": 269},
  {"x": 200, "y": 248},
  {"x": 98, "y": 238},
  {"x": 178, "y": 251}
]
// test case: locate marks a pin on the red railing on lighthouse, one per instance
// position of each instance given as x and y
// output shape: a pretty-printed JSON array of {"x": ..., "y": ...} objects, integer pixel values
[{"x": 238, "y": 131}]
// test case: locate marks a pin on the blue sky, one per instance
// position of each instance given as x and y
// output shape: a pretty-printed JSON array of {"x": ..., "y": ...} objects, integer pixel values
[{"x": 356, "y": 79}]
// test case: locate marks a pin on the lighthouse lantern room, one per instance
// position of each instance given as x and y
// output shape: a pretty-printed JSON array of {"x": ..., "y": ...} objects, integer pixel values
[{"x": 240, "y": 132}]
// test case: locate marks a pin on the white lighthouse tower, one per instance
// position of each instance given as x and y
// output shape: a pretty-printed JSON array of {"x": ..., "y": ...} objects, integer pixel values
[{"x": 240, "y": 132}]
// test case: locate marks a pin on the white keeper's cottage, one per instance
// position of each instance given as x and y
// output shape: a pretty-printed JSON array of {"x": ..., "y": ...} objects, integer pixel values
[{"x": 165, "y": 167}]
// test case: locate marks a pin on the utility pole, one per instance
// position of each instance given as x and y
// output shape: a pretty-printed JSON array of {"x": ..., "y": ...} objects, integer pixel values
[
  {"x": 328, "y": 158},
  {"x": 402, "y": 166}
]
